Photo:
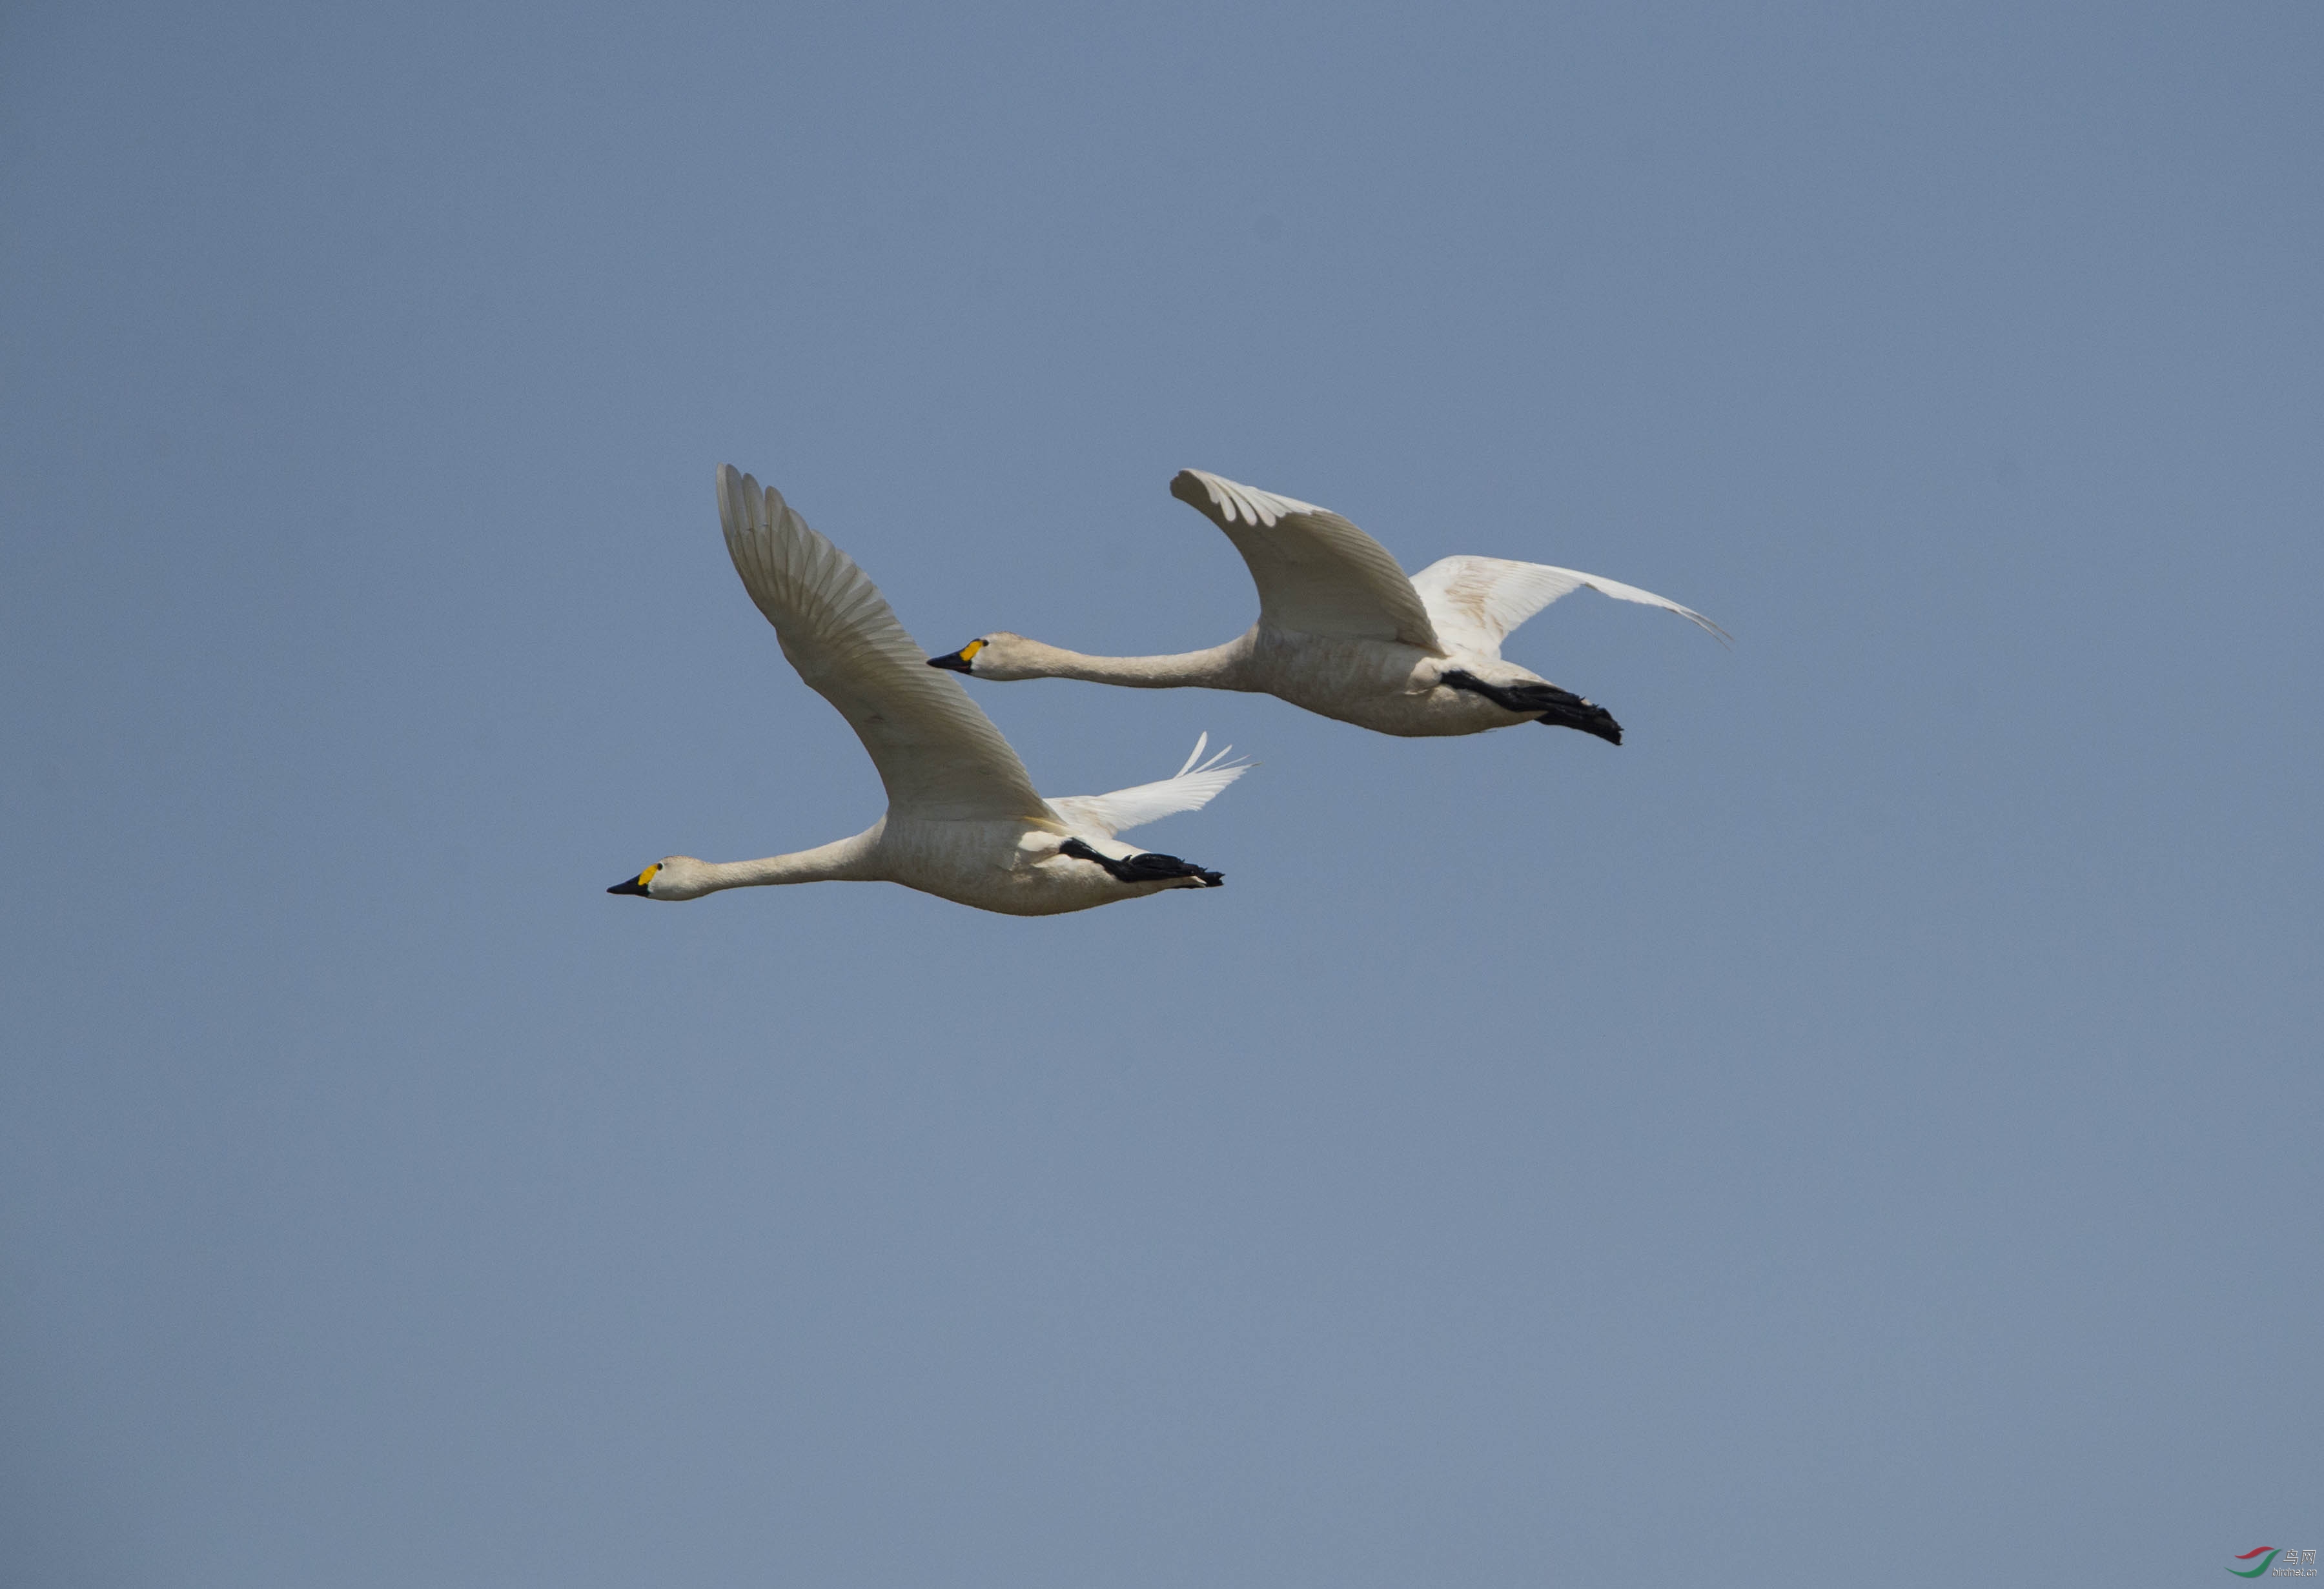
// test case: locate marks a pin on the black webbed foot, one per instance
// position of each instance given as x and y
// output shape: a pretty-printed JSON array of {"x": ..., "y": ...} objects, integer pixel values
[
  {"x": 1149, "y": 867},
  {"x": 1560, "y": 709}
]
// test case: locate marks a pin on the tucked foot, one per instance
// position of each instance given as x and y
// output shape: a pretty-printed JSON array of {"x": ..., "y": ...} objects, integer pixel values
[
  {"x": 1148, "y": 867},
  {"x": 1561, "y": 709},
  {"x": 1569, "y": 710}
]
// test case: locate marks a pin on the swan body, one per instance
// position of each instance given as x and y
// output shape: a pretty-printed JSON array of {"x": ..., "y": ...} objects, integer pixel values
[
  {"x": 1343, "y": 632},
  {"x": 962, "y": 822}
]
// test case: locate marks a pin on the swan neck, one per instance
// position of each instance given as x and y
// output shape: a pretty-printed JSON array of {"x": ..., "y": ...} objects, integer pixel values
[
  {"x": 839, "y": 861},
  {"x": 1219, "y": 667}
]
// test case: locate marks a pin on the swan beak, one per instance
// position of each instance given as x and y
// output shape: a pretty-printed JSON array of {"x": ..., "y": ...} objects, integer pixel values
[
  {"x": 958, "y": 662},
  {"x": 636, "y": 885}
]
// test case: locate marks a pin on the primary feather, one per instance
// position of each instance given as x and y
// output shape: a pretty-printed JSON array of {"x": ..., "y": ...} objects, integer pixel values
[
  {"x": 1317, "y": 572},
  {"x": 937, "y": 754},
  {"x": 1191, "y": 788},
  {"x": 1476, "y": 601}
]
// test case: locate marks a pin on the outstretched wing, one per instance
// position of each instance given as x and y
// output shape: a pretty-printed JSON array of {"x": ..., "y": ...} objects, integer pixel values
[
  {"x": 1105, "y": 815},
  {"x": 939, "y": 757},
  {"x": 1317, "y": 572},
  {"x": 1476, "y": 601}
]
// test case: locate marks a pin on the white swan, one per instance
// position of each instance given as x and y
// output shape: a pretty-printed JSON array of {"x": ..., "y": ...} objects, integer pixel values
[
  {"x": 1342, "y": 633},
  {"x": 962, "y": 823}
]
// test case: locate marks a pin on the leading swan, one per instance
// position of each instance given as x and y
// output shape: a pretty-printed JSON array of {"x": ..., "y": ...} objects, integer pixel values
[
  {"x": 1342, "y": 633},
  {"x": 962, "y": 823}
]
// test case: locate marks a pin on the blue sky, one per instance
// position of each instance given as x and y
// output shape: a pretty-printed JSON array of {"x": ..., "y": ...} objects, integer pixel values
[{"x": 1870, "y": 1120}]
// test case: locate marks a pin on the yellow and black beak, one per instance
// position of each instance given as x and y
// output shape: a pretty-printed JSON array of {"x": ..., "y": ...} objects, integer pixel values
[
  {"x": 636, "y": 885},
  {"x": 959, "y": 660}
]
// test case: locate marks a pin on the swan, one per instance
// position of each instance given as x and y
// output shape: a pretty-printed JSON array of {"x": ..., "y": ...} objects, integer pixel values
[
  {"x": 962, "y": 822},
  {"x": 1342, "y": 633}
]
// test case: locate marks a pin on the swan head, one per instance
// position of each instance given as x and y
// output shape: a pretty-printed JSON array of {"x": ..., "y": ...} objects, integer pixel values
[
  {"x": 673, "y": 877},
  {"x": 997, "y": 655}
]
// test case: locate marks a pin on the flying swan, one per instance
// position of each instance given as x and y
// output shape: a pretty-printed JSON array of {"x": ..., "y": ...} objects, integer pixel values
[
  {"x": 1342, "y": 633},
  {"x": 962, "y": 823}
]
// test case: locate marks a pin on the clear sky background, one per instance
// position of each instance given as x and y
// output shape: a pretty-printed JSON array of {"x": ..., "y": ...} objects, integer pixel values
[{"x": 1867, "y": 1125}]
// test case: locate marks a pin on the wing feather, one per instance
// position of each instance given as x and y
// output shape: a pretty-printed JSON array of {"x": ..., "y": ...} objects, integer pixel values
[
  {"x": 939, "y": 757},
  {"x": 1190, "y": 789},
  {"x": 1317, "y": 572},
  {"x": 1476, "y": 601}
]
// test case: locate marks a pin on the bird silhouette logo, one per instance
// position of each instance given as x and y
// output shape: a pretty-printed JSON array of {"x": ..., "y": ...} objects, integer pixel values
[{"x": 2266, "y": 1553}]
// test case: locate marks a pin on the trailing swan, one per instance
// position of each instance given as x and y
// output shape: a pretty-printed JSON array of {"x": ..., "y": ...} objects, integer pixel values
[
  {"x": 1342, "y": 633},
  {"x": 962, "y": 823}
]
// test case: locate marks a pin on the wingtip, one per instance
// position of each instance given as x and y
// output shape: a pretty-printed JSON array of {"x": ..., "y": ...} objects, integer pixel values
[
  {"x": 1222, "y": 500},
  {"x": 744, "y": 506},
  {"x": 1196, "y": 765}
]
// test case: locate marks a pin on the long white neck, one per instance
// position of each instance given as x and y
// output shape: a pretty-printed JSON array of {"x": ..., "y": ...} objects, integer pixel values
[
  {"x": 842, "y": 860},
  {"x": 1220, "y": 667}
]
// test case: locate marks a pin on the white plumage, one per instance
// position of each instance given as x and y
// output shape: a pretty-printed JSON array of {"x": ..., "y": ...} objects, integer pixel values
[
  {"x": 1475, "y": 602},
  {"x": 963, "y": 821},
  {"x": 938, "y": 754},
  {"x": 1188, "y": 789},
  {"x": 1317, "y": 572},
  {"x": 1342, "y": 631}
]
